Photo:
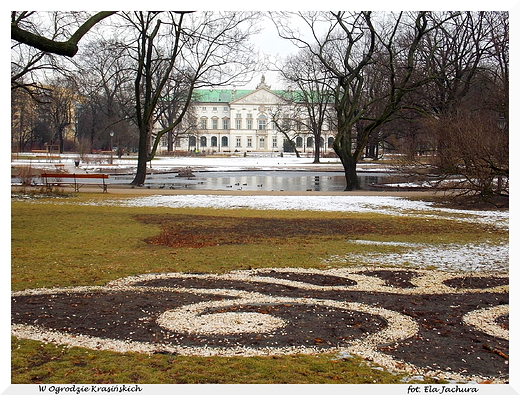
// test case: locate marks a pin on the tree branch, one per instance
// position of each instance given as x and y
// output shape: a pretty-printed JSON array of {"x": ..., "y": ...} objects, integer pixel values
[{"x": 66, "y": 48}]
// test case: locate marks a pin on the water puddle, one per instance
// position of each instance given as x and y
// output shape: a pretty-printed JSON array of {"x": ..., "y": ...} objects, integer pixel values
[{"x": 254, "y": 180}]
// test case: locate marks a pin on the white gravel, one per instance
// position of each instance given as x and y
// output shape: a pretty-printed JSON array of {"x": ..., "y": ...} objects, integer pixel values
[
  {"x": 193, "y": 319},
  {"x": 484, "y": 320}
]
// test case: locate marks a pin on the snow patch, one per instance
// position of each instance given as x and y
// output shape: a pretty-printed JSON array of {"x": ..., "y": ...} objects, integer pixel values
[
  {"x": 453, "y": 257},
  {"x": 390, "y": 205}
]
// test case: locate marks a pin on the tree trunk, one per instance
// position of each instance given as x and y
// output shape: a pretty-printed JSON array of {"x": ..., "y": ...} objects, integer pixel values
[
  {"x": 142, "y": 159},
  {"x": 316, "y": 150},
  {"x": 288, "y": 144},
  {"x": 296, "y": 150},
  {"x": 170, "y": 141},
  {"x": 61, "y": 141},
  {"x": 351, "y": 177},
  {"x": 342, "y": 147}
]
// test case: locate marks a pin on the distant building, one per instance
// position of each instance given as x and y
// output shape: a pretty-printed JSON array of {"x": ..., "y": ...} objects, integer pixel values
[
  {"x": 241, "y": 121},
  {"x": 45, "y": 119}
]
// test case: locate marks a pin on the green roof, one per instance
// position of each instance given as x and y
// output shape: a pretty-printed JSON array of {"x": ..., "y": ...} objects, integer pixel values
[
  {"x": 225, "y": 95},
  {"x": 218, "y": 95}
]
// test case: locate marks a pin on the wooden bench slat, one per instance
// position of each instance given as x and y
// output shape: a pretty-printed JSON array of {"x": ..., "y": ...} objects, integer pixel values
[
  {"x": 74, "y": 175},
  {"x": 91, "y": 175}
]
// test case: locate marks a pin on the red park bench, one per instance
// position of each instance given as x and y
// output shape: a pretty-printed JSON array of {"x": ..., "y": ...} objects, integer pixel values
[{"x": 73, "y": 180}]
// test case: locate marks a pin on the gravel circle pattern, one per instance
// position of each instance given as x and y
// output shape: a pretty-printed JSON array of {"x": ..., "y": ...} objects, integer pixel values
[{"x": 431, "y": 323}]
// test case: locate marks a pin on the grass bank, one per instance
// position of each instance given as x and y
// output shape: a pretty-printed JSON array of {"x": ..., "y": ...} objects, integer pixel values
[{"x": 64, "y": 242}]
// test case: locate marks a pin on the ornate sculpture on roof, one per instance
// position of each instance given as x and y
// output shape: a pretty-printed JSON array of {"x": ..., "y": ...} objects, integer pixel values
[{"x": 262, "y": 84}]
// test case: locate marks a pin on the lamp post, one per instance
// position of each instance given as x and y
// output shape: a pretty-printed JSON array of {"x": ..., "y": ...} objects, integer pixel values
[
  {"x": 111, "y": 149},
  {"x": 502, "y": 122}
]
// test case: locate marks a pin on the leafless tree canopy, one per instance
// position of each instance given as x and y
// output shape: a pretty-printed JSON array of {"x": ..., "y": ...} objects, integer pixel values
[
  {"x": 419, "y": 82},
  {"x": 382, "y": 67},
  {"x": 190, "y": 50},
  {"x": 311, "y": 92}
]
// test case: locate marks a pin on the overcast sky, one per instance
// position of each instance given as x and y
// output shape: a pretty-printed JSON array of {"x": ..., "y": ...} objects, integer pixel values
[{"x": 273, "y": 46}]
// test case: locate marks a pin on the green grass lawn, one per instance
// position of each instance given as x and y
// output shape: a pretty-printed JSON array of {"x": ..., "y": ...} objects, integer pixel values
[{"x": 62, "y": 242}]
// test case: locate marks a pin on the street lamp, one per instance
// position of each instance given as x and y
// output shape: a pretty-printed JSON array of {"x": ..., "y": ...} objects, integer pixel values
[
  {"x": 502, "y": 124},
  {"x": 111, "y": 149}
]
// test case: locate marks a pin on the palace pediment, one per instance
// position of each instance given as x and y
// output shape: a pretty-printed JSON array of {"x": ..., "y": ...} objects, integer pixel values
[{"x": 260, "y": 96}]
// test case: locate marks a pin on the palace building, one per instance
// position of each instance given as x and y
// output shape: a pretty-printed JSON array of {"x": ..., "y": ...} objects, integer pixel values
[{"x": 242, "y": 121}]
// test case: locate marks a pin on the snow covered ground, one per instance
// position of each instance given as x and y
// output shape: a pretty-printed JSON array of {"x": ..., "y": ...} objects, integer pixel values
[
  {"x": 169, "y": 163},
  {"x": 373, "y": 204},
  {"x": 452, "y": 257}
]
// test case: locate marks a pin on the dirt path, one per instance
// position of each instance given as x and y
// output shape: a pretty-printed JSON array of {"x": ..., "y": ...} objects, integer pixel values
[{"x": 127, "y": 190}]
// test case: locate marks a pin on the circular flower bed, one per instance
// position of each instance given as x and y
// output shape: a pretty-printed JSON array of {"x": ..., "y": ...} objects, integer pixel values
[{"x": 415, "y": 321}]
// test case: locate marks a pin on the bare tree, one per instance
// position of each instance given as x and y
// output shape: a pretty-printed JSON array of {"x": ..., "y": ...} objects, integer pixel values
[
  {"x": 498, "y": 65},
  {"x": 473, "y": 155},
  {"x": 23, "y": 119},
  {"x": 25, "y": 64},
  {"x": 201, "y": 49},
  {"x": 465, "y": 106},
  {"x": 169, "y": 108},
  {"x": 40, "y": 38},
  {"x": 286, "y": 118},
  {"x": 454, "y": 54},
  {"x": 312, "y": 93},
  {"x": 102, "y": 78},
  {"x": 349, "y": 45},
  {"x": 58, "y": 110}
]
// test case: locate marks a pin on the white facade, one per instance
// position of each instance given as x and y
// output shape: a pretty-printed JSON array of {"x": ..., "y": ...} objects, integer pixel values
[{"x": 240, "y": 121}]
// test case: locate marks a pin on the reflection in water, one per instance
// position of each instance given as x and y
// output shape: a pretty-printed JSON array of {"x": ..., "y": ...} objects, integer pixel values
[{"x": 256, "y": 180}]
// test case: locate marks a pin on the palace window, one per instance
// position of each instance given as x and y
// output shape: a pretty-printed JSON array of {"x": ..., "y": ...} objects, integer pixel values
[
  {"x": 224, "y": 141},
  {"x": 214, "y": 141},
  {"x": 203, "y": 141},
  {"x": 238, "y": 124},
  {"x": 239, "y": 141},
  {"x": 262, "y": 122},
  {"x": 214, "y": 123}
]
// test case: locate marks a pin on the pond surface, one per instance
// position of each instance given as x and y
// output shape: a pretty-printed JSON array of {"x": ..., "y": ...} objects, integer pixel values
[{"x": 267, "y": 180}]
